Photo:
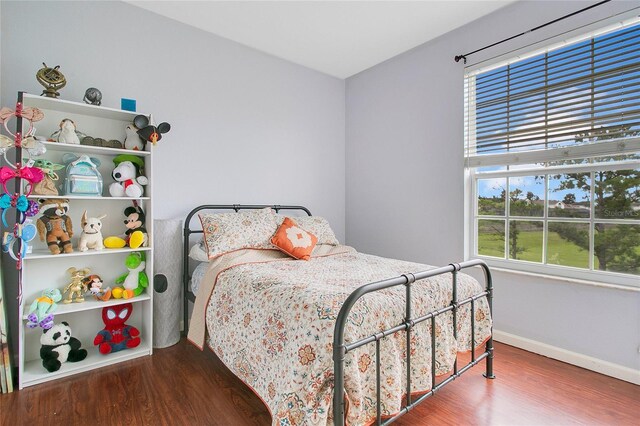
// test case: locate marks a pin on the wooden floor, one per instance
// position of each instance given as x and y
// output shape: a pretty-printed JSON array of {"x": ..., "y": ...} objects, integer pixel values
[{"x": 183, "y": 386}]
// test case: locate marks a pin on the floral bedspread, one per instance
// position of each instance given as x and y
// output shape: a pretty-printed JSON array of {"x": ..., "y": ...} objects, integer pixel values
[{"x": 272, "y": 324}]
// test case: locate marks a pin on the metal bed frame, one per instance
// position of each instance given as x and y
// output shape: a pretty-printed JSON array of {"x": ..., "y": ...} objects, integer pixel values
[{"x": 341, "y": 348}]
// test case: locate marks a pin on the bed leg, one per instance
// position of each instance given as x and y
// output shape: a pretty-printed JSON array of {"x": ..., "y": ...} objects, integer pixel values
[
  {"x": 489, "y": 371},
  {"x": 489, "y": 345}
]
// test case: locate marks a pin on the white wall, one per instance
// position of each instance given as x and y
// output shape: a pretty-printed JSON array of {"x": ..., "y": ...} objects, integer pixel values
[
  {"x": 246, "y": 127},
  {"x": 405, "y": 183}
]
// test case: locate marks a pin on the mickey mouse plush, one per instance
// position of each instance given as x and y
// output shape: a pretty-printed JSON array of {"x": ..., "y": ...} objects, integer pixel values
[
  {"x": 136, "y": 234},
  {"x": 135, "y": 226},
  {"x": 148, "y": 131}
]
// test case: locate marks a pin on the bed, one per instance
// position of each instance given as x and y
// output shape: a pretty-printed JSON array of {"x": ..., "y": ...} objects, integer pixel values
[{"x": 343, "y": 338}]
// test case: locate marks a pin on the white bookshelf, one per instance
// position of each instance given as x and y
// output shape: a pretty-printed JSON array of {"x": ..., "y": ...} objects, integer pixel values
[{"x": 42, "y": 270}]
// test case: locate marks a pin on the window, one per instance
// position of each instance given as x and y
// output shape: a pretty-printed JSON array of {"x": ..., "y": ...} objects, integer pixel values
[{"x": 552, "y": 146}]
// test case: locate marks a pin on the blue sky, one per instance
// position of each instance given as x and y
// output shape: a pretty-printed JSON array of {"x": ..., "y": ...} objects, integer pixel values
[{"x": 494, "y": 186}]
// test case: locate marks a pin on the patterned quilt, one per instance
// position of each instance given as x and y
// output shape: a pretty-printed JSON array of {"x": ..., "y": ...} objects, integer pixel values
[{"x": 270, "y": 319}]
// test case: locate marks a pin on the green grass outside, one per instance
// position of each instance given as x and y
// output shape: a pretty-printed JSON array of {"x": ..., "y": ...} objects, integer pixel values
[
  {"x": 565, "y": 253},
  {"x": 559, "y": 251}
]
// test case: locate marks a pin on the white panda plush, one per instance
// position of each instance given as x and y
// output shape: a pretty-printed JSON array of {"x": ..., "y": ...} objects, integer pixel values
[{"x": 59, "y": 346}]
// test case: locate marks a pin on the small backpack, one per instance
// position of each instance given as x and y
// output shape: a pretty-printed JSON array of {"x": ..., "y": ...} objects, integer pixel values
[{"x": 83, "y": 177}]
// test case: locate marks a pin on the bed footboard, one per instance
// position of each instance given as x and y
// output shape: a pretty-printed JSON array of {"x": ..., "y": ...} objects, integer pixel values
[{"x": 341, "y": 348}]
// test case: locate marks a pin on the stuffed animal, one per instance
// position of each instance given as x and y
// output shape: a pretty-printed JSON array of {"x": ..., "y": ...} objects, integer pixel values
[
  {"x": 117, "y": 335},
  {"x": 67, "y": 132},
  {"x": 55, "y": 225},
  {"x": 132, "y": 140},
  {"x": 136, "y": 280},
  {"x": 77, "y": 287},
  {"x": 94, "y": 283},
  {"x": 41, "y": 310},
  {"x": 128, "y": 177},
  {"x": 59, "y": 346},
  {"x": 136, "y": 235},
  {"x": 91, "y": 237},
  {"x": 148, "y": 131}
]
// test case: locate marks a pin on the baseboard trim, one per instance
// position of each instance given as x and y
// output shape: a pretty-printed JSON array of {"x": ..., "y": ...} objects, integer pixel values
[{"x": 594, "y": 364}]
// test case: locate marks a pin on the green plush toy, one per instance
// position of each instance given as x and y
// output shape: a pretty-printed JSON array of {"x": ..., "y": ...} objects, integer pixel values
[{"x": 135, "y": 281}]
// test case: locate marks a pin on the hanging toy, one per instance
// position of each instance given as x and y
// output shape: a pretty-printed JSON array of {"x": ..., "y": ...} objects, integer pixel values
[
  {"x": 26, "y": 208},
  {"x": 23, "y": 233}
]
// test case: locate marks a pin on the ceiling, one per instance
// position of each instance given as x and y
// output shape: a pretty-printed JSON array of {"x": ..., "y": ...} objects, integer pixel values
[{"x": 339, "y": 38}]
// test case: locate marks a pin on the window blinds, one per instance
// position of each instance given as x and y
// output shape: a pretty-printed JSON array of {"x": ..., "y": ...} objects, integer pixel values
[{"x": 582, "y": 94}]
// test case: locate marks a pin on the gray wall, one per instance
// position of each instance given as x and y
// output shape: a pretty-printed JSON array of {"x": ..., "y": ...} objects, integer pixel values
[
  {"x": 405, "y": 181},
  {"x": 246, "y": 127},
  {"x": 255, "y": 129}
]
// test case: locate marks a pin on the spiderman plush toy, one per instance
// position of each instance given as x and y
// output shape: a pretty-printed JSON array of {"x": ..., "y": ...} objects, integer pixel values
[{"x": 117, "y": 335}]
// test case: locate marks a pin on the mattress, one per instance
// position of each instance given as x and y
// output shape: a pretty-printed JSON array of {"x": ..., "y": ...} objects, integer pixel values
[{"x": 270, "y": 319}]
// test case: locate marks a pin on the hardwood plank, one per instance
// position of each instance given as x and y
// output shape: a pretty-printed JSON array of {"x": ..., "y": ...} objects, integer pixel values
[{"x": 184, "y": 386}]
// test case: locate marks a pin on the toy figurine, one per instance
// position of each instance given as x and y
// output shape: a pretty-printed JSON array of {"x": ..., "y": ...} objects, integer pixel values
[
  {"x": 55, "y": 225},
  {"x": 77, "y": 287},
  {"x": 94, "y": 283},
  {"x": 117, "y": 335}
]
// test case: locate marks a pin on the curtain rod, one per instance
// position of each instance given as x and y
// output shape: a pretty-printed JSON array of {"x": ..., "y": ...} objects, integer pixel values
[{"x": 458, "y": 57}]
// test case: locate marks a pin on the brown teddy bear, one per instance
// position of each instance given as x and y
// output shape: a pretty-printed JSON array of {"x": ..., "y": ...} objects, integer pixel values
[{"x": 54, "y": 225}]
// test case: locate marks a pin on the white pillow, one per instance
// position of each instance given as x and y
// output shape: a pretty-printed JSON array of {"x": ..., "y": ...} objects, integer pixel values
[
  {"x": 227, "y": 232},
  {"x": 198, "y": 252},
  {"x": 198, "y": 276}
]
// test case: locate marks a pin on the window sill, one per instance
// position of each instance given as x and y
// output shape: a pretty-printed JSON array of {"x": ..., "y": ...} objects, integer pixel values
[{"x": 563, "y": 279}]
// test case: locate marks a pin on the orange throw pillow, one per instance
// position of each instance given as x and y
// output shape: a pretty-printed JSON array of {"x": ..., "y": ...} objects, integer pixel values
[{"x": 293, "y": 240}]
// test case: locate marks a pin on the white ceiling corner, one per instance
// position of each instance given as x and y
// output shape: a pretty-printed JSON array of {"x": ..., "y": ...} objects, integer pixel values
[{"x": 339, "y": 38}]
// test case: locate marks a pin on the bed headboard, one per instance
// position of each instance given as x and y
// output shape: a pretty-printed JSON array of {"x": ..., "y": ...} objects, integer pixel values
[{"x": 197, "y": 229}]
